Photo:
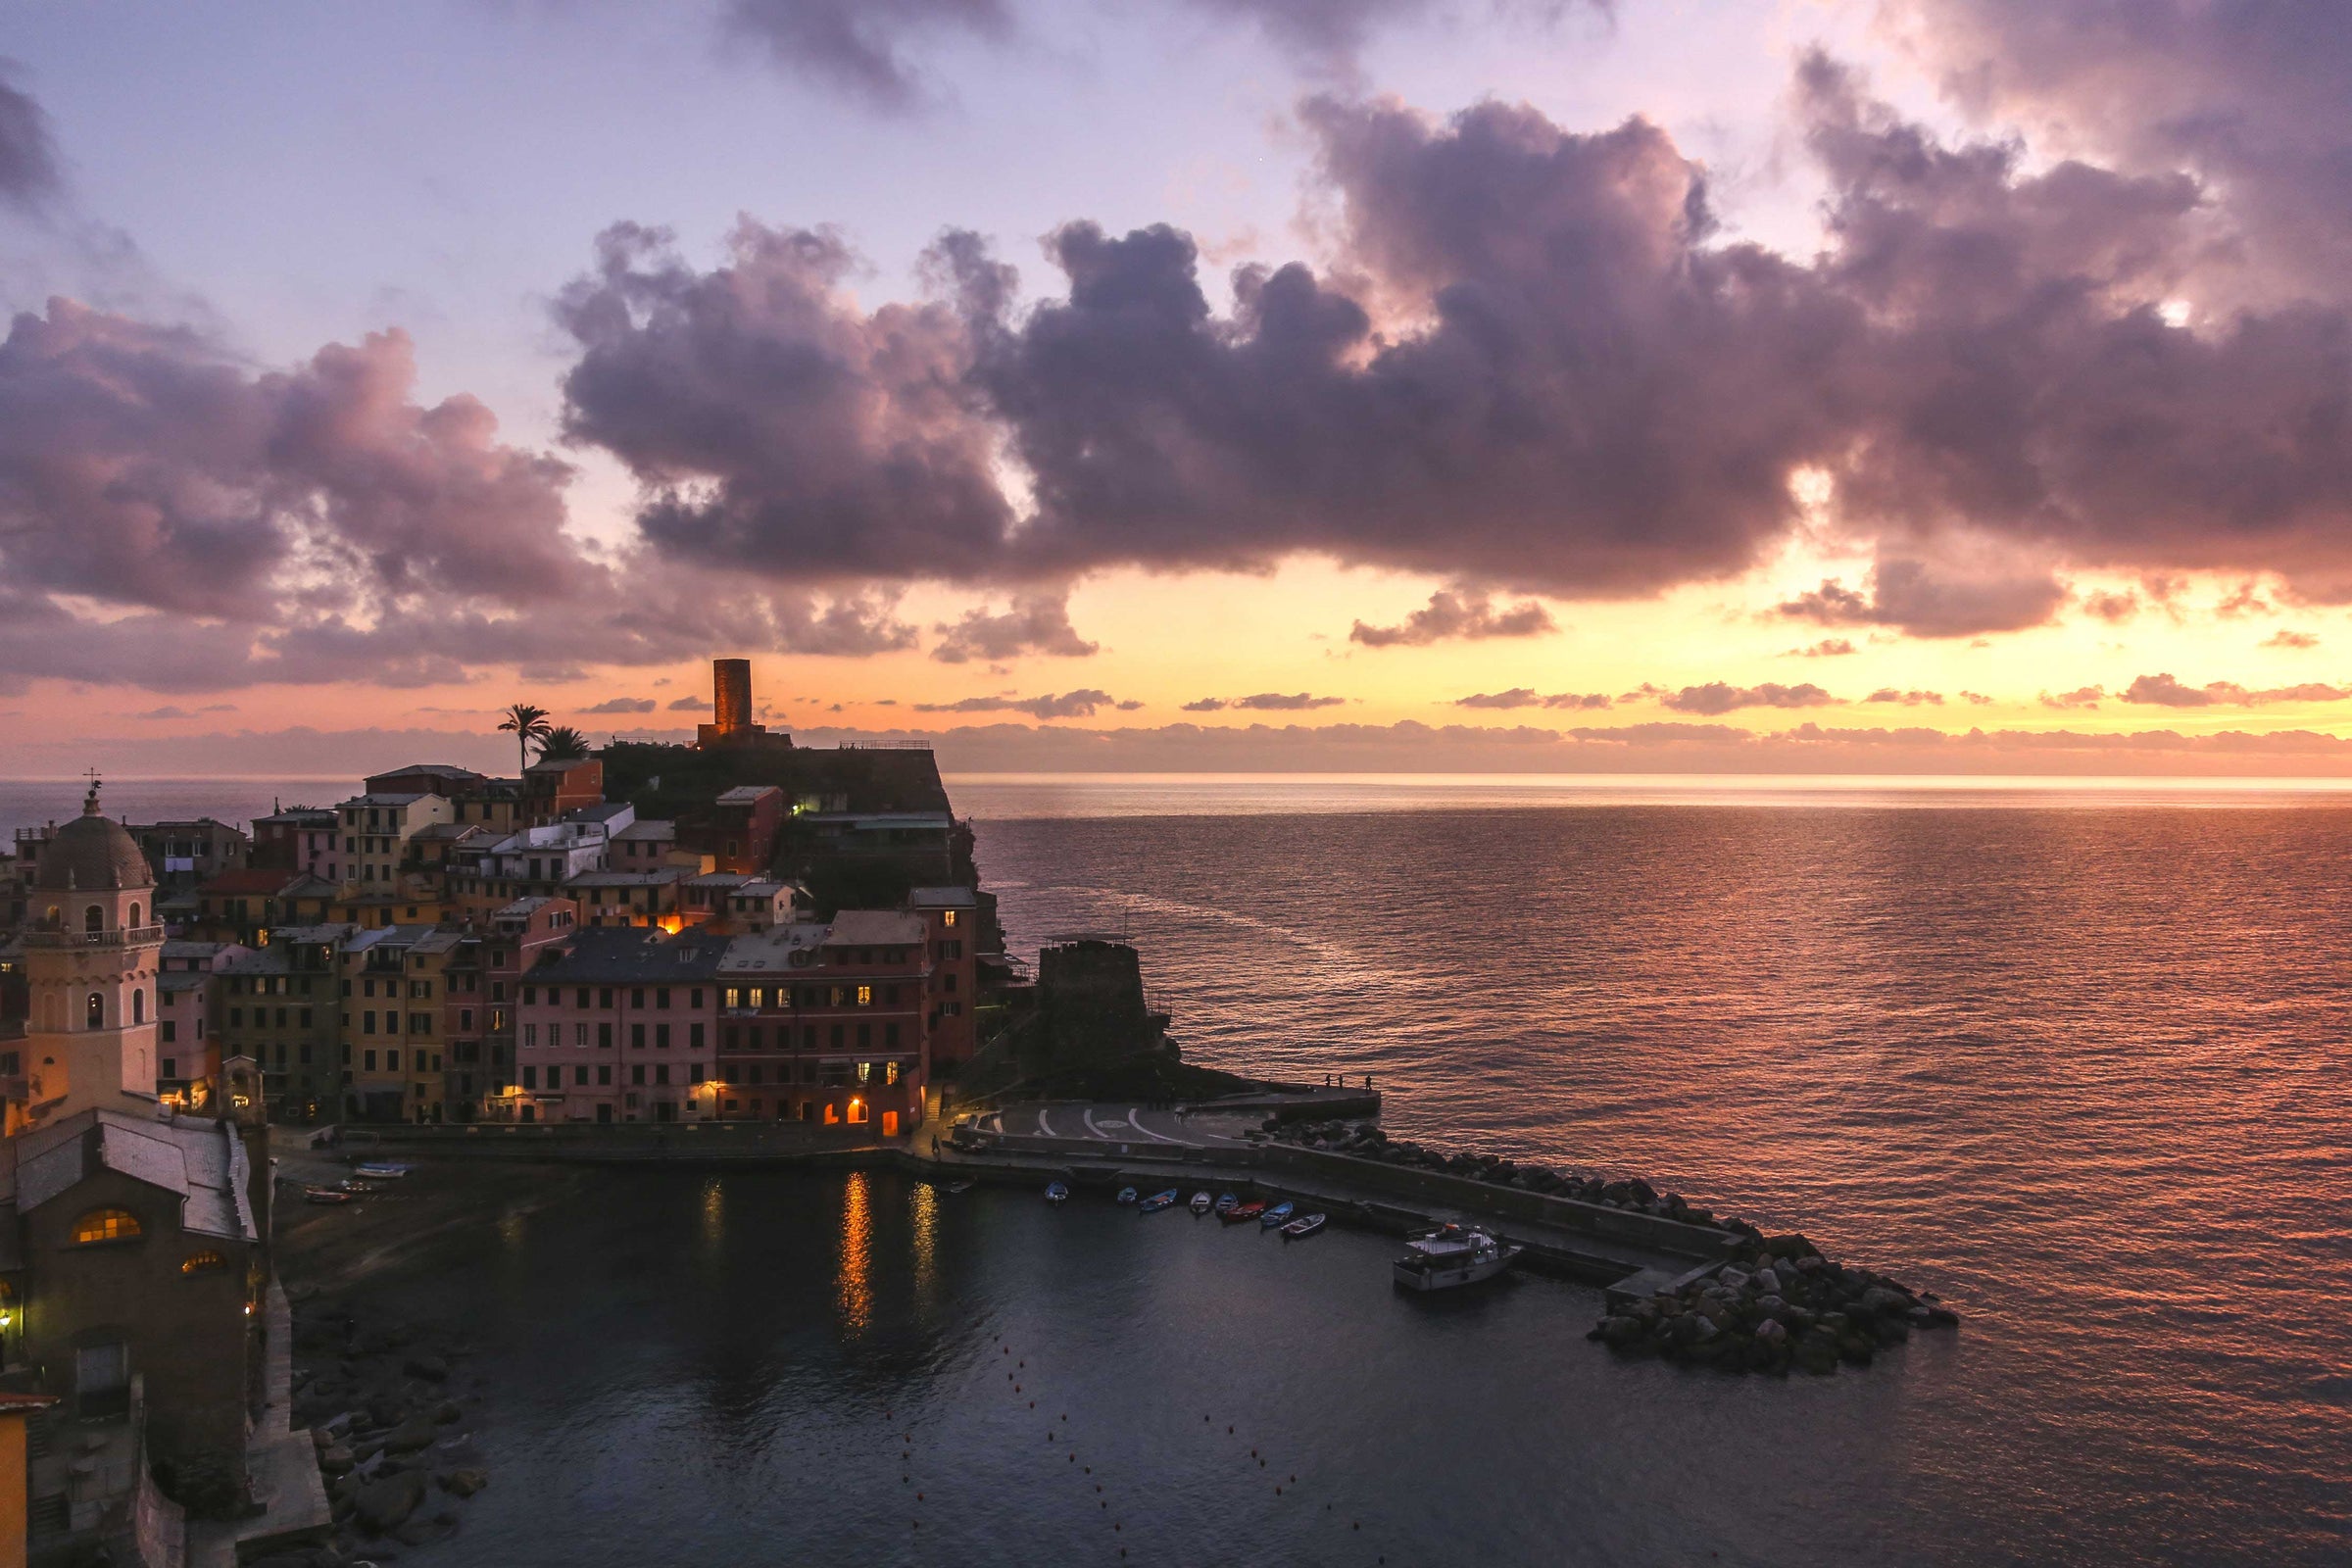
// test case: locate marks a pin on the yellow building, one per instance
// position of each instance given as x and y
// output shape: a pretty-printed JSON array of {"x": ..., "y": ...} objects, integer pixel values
[{"x": 395, "y": 983}]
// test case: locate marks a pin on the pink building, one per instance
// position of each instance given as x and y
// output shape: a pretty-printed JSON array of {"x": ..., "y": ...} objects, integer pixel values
[
  {"x": 827, "y": 1023},
  {"x": 623, "y": 1027}
]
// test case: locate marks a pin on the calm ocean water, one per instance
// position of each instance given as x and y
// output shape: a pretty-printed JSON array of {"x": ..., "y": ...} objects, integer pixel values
[{"x": 2075, "y": 1057}]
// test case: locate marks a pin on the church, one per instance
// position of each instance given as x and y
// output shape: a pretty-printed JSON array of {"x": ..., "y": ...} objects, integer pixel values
[{"x": 132, "y": 1240}]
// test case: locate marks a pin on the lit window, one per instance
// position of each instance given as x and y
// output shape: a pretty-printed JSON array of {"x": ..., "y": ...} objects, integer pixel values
[
  {"x": 105, "y": 1225},
  {"x": 947, "y": 917},
  {"x": 865, "y": 996},
  {"x": 865, "y": 1072},
  {"x": 201, "y": 1263},
  {"x": 889, "y": 1072}
]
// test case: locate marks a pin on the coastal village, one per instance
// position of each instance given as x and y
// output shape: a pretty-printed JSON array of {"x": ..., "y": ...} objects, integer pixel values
[{"x": 738, "y": 951}]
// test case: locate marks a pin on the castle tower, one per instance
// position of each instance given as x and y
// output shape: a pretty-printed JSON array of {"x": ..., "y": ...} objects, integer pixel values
[
  {"x": 731, "y": 709},
  {"x": 90, "y": 957}
]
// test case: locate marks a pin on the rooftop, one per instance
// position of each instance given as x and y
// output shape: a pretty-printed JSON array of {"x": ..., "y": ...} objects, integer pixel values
[{"x": 876, "y": 928}]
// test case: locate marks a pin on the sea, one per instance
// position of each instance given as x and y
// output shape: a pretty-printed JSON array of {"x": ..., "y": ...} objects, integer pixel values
[{"x": 2073, "y": 1054}]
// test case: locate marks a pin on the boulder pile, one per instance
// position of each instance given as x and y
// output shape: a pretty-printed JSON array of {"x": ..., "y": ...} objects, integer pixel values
[
  {"x": 388, "y": 1408},
  {"x": 1777, "y": 1305},
  {"x": 1782, "y": 1307}
]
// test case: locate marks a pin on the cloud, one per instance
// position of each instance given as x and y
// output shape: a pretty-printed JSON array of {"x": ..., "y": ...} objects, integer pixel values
[
  {"x": 1036, "y": 624},
  {"x": 2283, "y": 638},
  {"x": 689, "y": 705},
  {"x": 1826, "y": 648},
  {"x": 1907, "y": 699},
  {"x": 1068, "y": 705},
  {"x": 166, "y": 712},
  {"x": 1205, "y": 704},
  {"x": 2111, "y": 607},
  {"x": 1527, "y": 697},
  {"x": 1976, "y": 699},
  {"x": 29, "y": 176},
  {"x": 623, "y": 704},
  {"x": 1929, "y": 601},
  {"x": 863, "y": 46},
  {"x": 1449, "y": 614},
  {"x": 1285, "y": 702},
  {"x": 2167, "y": 691},
  {"x": 2079, "y": 697},
  {"x": 1721, "y": 696}
]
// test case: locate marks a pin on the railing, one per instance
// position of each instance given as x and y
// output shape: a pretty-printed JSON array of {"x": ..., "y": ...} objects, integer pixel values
[{"x": 127, "y": 937}]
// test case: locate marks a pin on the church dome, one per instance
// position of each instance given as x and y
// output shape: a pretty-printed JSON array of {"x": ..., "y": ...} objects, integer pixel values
[{"x": 91, "y": 854}]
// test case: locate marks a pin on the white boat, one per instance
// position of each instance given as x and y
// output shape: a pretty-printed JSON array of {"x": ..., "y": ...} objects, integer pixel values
[
  {"x": 1299, "y": 1229},
  {"x": 1200, "y": 1202},
  {"x": 1126, "y": 1195},
  {"x": 1451, "y": 1257}
]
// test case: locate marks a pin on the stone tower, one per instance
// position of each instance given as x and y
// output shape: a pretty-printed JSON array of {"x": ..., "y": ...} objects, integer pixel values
[{"x": 90, "y": 957}]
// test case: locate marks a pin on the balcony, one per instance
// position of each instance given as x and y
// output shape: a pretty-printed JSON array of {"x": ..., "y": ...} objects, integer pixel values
[{"x": 136, "y": 936}]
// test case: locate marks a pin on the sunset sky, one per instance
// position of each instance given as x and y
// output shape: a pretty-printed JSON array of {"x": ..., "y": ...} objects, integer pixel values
[{"x": 1893, "y": 385}]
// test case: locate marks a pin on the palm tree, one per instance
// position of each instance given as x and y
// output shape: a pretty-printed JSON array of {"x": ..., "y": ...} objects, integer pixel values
[
  {"x": 561, "y": 744},
  {"x": 527, "y": 724}
]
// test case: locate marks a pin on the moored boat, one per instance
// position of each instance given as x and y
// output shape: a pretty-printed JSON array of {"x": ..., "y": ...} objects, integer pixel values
[
  {"x": 1057, "y": 1193},
  {"x": 1243, "y": 1213},
  {"x": 1453, "y": 1256},
  {"x": 1225, "y": 1203},
  {"x": 964, "y": 1186},
  {"x": 1278, "y": 1214},
  {"x": 1305, "y": 1226},
  {"x": 1201, "y": 1201},
  {"x": 1126, "y": 1195},
  {"x": 1158, "y": 1200},
  {"x": 384, "y": 1170},
  {"x": 325, "y": 1194}
]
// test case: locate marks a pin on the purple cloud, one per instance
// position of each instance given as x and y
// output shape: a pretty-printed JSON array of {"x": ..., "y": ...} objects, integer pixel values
[
  {"x": 1036, "y": 624},
  {"x": 1470, "y": 617}
]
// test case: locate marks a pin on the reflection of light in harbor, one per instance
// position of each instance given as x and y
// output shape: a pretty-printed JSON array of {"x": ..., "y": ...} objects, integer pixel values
[
  {"x": 857, "y": 1252},
  {"x": 713, "y": 1224},
  {"x": 510, "y": 1227},
  {"x": 925, "y": 1207}
]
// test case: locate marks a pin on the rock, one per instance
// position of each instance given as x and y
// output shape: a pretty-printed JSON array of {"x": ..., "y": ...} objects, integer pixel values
[
  {"x": 334, "y": 1461},
  {"x": 1792, "y": 1245},
  {"x": 464, "y": 1482},
  {"x": 383, "y": 1506},
  {"x": 446, "y": 1412},
  {"x": 431, "y": 1368},
  {"x": 1734, "y": 1279},
  {"x": 1771, "y": 1332},
  {"x": 417, "y": 1432}
]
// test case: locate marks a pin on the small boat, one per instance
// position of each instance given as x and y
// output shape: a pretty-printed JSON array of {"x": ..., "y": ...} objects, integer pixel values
[
  {"x": 355, "y": 1186},
  {"x": 1158, "y": 1200},
  {"x": 1299, "y": 1229},
  {"x": 1278, "y": 1214},
  {"x": 1243, "y": 1213},
  {"x": 1225, "y": 1203},
  {"x": 384, "y": 1170},
  {"x": 1126, "y": 1195},
  {"x": 1452, "y": 1256},
  {"x": 964, "y": 1186},
  {"x": 325, "y": 1194},
  {"x": 1201, "y": 1201},
  {"x": 1056, "y": 1192}
]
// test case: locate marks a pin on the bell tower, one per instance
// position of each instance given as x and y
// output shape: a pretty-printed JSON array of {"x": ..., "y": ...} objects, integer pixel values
[{"x": 90, "y": 957}]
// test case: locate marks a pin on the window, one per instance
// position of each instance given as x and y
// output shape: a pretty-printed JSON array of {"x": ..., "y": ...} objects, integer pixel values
[
  {"x": 660, "y": 1037},
  {"x": 890, "y": 1035},
  {"x": 604, "y": 1075},
  {"x": 530, "y": 1076},
  {"x": 889, "y": 1072},
  {"x": 636, "y": 1037},
  {"x": 367, "y": 1061},
  {"x": 637, "y": 996},
  {"x": 637, "y": 1073},
  {"x": 865, "y": 996},
  {"x": 865, "y": 1072},
  {"x": 530, "y": 1035},
  {"x": 106, "y": 1225},
  {"x": 858, "y": 1112},
  {"x": 661, "y": 1072},
  {"x": 93, "y": 1011},
  {"x": 579, "y": 1036},
  {"x": 579, "y": 1076},
  {"x": 694, "y": 1037},
  {"x": 694, "y": 1073},
  {"x": 391, "y": 1062},
  {"x": 170, "y": 1068},
  {"x": 604, "y": 1037},
  {"x": 93, "y": 919},
  {"x": 171, "y": 1035},
  {"x": 367, "y": 1022},
  {"x": 947, "y": 917},
  {"x": 135, "y": 915},
  {"x": 207, "y": 1262},
  {"x": 661, "y": 996}
]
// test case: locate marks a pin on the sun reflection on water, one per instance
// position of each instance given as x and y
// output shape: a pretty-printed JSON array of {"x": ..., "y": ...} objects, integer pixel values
[{"x": 923, "y": 1205}]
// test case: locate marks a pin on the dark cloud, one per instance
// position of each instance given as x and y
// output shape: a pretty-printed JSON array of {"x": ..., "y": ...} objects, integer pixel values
[
  {"x": 690, "y": 704},
  {"x": 2111, "y": 607},
  {"x": 1528, "y": 697},
  {"x": 1927, "y": 601},
  {"x": 1721, "y": 696},
  {"x": 1068, "y": 705},
  {"x": 2169, "y": 692},
  {"x": 2283, "y": 638},
  {"x": 1906, "y": 699},
  {"x": 28, "y": 174},
  {"x": 775, "y": 426},
  {"x": 2247, "y": 94},
  {"x": 1284, "y": 702},
  {"x": 623, "y": 704},
  {"x": 1036, "y": 624},
  {"x": 864, "y": 47},
  {"x": 1468, "y": 616}
]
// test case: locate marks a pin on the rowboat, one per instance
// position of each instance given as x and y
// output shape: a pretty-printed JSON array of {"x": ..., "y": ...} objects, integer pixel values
[
  {"x": 1302, "y": 1228},
  {"x": 1126, "y": 1195},
  {"x": 1243, "y": 1213},
  {"x": 1056, "y": 1192},
  {"x": 384, "y": 1170},
  {"x": 1225, "y": 1203},
  {"x": 1199, "y": 1202},
  {"x": 325, "y": 1194},
  {"x": 1278, "y": 1214},
  {"x": 1158, "y": 1200},
  {"x": 963, "y": 1186}
]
